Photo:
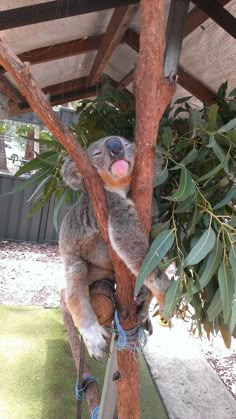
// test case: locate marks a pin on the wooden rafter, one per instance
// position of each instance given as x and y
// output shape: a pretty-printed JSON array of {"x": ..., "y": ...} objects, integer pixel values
[
  {"x": 9, "y": 90},
  {"x": 197, "y": 17},
  {"x": 63, "y": 50},
  {"x": 56, "y": 99},
  {"x": 126, "y": 80},
  {"x": 43, "y": 12},
  {"x": 66, "y": 86},
  {"x": 194, "y": 86},
  {"x": 117, "y": 26},
  {"x": 219, "y": 14}
]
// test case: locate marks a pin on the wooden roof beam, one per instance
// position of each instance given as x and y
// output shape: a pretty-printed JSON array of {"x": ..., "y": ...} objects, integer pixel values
[
  {"x": 65, "y": 86},
  {"x": 63, "y": 50},
  {"x": 43, "y": 12},
  {"x": 197, "y": 17},
  {"x": 120, "y": 20},
  {"x": 56, "y": 99},
  {"x": 7, "y": 89},
  {"x": 194, "y": 86},
  {"x": 126, "y": 80},
  {"x": 219, "y": 14}
]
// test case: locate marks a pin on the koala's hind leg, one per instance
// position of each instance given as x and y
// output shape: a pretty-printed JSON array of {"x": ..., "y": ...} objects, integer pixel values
[{"x": 78, "y": 303}]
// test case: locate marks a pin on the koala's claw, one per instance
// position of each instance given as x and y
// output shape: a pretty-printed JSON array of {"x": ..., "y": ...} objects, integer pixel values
[{"x": 94, "y": 339}]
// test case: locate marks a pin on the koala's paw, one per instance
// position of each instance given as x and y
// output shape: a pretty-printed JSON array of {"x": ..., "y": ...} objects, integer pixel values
[
  {"x": 143, "y": 302},
  {"x": 94, "y": 339}
]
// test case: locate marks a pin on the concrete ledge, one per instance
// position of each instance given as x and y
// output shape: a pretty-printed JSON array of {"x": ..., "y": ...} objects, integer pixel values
[{"x": 187, "y": 384}]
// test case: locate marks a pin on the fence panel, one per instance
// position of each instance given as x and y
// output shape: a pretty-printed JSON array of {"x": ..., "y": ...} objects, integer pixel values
[{"x": 15, "y": 223}]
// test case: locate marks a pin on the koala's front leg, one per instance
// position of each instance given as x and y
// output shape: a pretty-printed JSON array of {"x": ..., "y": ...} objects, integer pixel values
[
  {"x": 78, "y": 303},
  {"x": 128, "y": 239}
]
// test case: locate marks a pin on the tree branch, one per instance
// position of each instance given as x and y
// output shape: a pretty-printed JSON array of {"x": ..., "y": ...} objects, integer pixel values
[{"x": 153, "y": 92}]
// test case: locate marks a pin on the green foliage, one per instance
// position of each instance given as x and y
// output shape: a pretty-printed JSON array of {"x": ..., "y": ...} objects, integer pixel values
[{"x": 196, "y": 194}]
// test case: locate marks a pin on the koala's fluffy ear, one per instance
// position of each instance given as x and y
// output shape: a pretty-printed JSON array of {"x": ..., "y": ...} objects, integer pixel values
[{"x": 71, "y": 175}]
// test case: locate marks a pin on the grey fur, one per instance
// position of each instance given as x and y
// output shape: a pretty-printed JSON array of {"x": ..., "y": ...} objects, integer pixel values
[{"x": 85, "y": 254}]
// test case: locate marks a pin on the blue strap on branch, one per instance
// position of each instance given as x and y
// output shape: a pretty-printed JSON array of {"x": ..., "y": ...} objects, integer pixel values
[
  {"x": 134, "y": 339},
  {"x": 95, "y": 413},
  {"x": 79, "y": 391}
]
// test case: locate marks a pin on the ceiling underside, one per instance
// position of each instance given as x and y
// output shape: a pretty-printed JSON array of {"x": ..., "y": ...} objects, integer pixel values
[{"x": 68, "y": 55}]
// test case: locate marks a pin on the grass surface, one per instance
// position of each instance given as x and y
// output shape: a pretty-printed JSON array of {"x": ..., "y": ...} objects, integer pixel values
[{"x": 37, "y": 372}]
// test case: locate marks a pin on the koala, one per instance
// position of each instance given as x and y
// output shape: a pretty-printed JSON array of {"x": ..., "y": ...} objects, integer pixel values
[{"x": 85, "y": 254}]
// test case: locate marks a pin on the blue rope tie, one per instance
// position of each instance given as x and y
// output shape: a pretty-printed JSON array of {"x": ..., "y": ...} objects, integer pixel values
[
  {"x": 134, "y": 339},
  {"x": 79, "y": 391},
  {"x": 95, "y": 413}
]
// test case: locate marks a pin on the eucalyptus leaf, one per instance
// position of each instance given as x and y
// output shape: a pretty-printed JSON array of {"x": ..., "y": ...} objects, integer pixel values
[
  {"x": 182, "y": 100},
  {"x": 201, "y": 248},
  {"x": 161, "y": 178},
  {"x": 216, "y": 169},
  {"x": 227, "y": 127},
  {"x": 233, "y": 93},
  {"x": 158, "y": 250},
  {"x": 218, "y": 152},
  {"x": 189, "y": 158},
  {"x": 41, "y": 184},
  {"x": 186, "y": 187},
  {"x": 215, "y": 307},
  {"x": 186, "y": 205},
  {"x": 172, "y": 297},
  {"x": 231, "y": 194},
  {"x": 232, "y": 259},
  {"x": 58, "y": 204},
  {"x": 233, "y": 315},
  {"x": 37, "y": 163},
  {"x": 167, "y": 137},
  {"x": 212, "y": 265},
  {"x": 32, "y": 181},
  {"x": 226, "y": 284},
  {"x": 212, "y": 116},
  {"x": 195, "y": 121}
]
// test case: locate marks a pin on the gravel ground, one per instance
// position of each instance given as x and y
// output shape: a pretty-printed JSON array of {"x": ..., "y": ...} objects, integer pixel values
[{"x": 32, "y": 274}]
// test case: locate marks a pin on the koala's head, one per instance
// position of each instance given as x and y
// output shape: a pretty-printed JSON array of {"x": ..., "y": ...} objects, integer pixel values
[{"x": 113, "y": 157}]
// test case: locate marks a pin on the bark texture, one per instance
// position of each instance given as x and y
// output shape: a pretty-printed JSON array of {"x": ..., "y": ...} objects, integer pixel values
[{"x": 153, "y": 93}]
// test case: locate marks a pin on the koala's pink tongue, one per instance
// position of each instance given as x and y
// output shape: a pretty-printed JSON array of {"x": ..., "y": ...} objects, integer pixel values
[{"x": 120, "y": 168}]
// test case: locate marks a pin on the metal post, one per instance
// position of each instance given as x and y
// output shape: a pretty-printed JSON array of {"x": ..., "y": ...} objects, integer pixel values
[
  {"x": 174, "y": 35},
  {"x": 109, "y": 393}
]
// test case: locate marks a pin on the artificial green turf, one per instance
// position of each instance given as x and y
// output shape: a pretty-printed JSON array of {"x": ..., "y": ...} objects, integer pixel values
[{"x": 37, "y": 372}]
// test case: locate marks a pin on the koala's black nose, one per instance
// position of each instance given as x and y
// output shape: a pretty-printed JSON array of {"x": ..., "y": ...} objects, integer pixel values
[{"x": 115, "y": 147}]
